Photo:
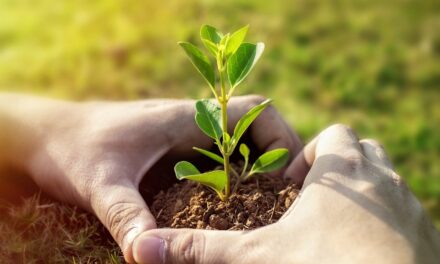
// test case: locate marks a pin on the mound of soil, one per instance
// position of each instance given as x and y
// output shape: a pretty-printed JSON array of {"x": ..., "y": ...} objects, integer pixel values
[{"x": 258, "y": 202}]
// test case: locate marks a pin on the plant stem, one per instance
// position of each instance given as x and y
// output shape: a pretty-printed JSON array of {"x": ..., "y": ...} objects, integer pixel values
[
  {"x": 224, "y": 102},
  {"x": 224, "y": 107},
  {"x": 241, "y": 177},
  {"x": 246, "y": 162},
  {"x": 227, "y": 171}
]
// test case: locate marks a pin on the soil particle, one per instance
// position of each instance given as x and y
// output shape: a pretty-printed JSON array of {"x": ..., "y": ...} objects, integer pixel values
[{"x": 258, "y": 202}]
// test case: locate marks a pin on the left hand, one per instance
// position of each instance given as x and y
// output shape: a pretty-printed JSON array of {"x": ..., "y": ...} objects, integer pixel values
[{"x": 95, "y": 154}]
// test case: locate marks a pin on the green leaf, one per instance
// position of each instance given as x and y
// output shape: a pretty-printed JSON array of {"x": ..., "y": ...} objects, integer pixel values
[
  {"x": 246, "y": 120},
  {"x": 235, "y": 40},
  {"x": 208, "y": 118},
  {"x": 270, "y": 161},
  {"x": 213, "y": 179},
  {"x": 200, "y": 61},
  {"x": 242, "y": 62},
  {"x": 185, "y": 168},
  {"x": 209, "y": 154},
  {"x": 244, "y": 150},
  {"x": 210, "y": 33}
]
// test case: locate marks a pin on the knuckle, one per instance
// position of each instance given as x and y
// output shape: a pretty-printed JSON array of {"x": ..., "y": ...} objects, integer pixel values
[
  {"x": 372, "y": 142},
  {"x": 189, "y": 248},
  {"x": 397, "y": 180},
  {"x": 340, "y": 128},
  {"x": 118, "y": 218},
  {"x": 353, "y": 156},
  {"x": 353, "y": 161},
  {"x": 384, "y": 181}
]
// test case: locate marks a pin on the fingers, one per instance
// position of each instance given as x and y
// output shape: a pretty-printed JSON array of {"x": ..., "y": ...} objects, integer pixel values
[
  {"x": 297, "y": 171},
  {"x": 375, "y": 152},
  {"x": 300, "y": 166},
  {"x": 124, "y": 213},
  {"x": 186, "y": 246},
  {"x": 337, "y": 140}
]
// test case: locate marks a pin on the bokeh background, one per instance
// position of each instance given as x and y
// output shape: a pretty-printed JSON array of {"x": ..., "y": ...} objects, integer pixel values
[{"x": 374, "y": 65}]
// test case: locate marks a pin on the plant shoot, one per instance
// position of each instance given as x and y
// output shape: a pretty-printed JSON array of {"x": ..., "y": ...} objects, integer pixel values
[{"x": 234, "y": 59}]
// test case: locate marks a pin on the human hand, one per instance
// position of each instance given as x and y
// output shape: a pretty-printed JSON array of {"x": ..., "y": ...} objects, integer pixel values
[
  {"x": 353, "y": 208},
  {"x": 95, "y": 154}
]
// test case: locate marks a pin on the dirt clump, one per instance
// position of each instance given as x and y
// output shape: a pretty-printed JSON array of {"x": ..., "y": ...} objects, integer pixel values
[{"x": 260, "y": 201}]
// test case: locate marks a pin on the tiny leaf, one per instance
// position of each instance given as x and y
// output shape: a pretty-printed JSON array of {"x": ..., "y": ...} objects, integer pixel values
[
  {"x": 246, "y": 120},
  {"x": 209, "y": 154},
  {"x": 210, "y": 46},
  {"x": 224, "y": 40},
  {"x": 226, "y": 137},
  {"x": 270, "y": 161},
  {"x": 213, "y": 179},
  {"x": 242, "y": 62},
  {"x": 235, "y": 40},
  {"x": 208, "y": 118},
  {"x": 200, "y": 61},
  {"x": 210, "y": 33},
  {"x": 244, "y": 150}
]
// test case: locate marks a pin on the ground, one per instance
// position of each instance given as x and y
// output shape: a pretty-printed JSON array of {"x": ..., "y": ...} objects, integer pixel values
[
  {"x": 374, "y": 65},
  {"x": 44, "y": 231}
]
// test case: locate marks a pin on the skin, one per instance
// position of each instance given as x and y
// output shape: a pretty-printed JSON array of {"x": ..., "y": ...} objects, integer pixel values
[
  {"x": 352, "y": 208},
  {"x": 95, "y": 154}
]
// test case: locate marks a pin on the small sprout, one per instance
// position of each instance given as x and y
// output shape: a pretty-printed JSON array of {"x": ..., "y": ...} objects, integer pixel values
[
  {"x": 270, "y": 161},
  {"x": 244, "y": 151},
  {"x": 234, "y": 60}
]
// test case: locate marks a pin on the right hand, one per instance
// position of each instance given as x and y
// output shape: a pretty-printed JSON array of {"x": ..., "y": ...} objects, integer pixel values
[{"x": 353, "y": 208}]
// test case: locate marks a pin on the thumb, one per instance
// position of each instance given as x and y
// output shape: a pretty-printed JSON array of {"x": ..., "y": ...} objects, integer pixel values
[
  {"x": 124, "y": 213},
  {"x": 188, "y": 246}
]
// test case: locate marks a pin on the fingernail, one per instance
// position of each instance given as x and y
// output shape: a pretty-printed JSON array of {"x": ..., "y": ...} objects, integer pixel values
[{"x": 149, "y": 250}]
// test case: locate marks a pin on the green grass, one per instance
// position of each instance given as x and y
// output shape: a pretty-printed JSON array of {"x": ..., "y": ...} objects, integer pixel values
[{"x": 374, "y": 65}]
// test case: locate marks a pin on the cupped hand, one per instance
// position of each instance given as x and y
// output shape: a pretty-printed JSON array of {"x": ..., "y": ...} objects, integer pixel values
[
  {"x": 95, "y": 154},
  {"x": 352, "y": 208}
]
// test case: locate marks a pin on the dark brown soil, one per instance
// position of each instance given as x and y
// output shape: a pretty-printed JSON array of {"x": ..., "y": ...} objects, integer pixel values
[{"x": 258, "y": 202}]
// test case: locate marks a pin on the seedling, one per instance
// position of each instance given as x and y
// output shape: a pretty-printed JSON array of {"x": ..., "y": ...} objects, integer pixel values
[{"x": 234, "y": 60}]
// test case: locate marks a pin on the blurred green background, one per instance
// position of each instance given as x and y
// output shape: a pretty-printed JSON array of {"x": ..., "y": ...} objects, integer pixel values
[{"x": 374, "y": 65}]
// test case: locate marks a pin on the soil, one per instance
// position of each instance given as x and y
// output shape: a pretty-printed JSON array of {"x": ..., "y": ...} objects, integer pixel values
[{"x": 258, "y": 202}]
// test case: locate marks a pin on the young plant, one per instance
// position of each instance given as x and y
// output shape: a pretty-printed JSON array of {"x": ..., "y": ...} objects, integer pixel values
[{"x": 234, "y": 59}]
